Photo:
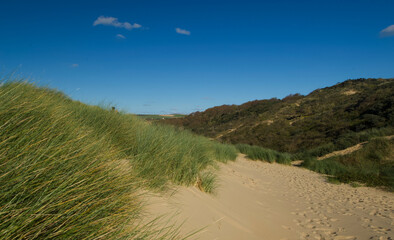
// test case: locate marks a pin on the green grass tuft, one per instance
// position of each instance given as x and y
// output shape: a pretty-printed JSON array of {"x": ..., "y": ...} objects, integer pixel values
[
  {"x": 264, "y": 154},
  {"x": 208, "y": 182},
  {"x": 225, "y": 152}
]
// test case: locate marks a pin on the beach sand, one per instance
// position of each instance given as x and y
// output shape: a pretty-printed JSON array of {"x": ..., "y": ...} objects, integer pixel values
[{"x": 257, "y": 200}]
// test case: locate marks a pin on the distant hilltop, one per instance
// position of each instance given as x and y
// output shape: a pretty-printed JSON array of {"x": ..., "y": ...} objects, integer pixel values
[
  {"x": 333, "y": 117},
  {"x": 160, "y": 116}
]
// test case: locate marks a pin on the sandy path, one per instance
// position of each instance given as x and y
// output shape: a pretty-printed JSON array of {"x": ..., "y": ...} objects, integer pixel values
[{"x": 259, "y": 200}]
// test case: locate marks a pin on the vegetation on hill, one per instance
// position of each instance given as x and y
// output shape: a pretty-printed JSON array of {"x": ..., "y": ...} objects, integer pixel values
[
  {"x": 306, "y": 127},
  {"x": 326, "y": 120},
  {"x": 373, "y": 164},
  {"x": 73, "y": 171}
]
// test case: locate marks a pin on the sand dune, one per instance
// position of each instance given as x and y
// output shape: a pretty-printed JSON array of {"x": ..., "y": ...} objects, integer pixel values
[{"x": 259, "y": 200}]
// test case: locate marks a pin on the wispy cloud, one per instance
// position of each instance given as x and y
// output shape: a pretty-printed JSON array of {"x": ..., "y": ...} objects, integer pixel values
[
  {"x": 74, "y": 65},
  {"x": 111, "y": 21},
  {"x": 388, "y": 31},
  {"x": 182, "y": 31},
  {"x": 120, "y": 36}
]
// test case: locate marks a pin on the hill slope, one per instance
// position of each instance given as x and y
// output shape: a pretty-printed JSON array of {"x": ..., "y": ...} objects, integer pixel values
[{"x": 331, "y": 118}]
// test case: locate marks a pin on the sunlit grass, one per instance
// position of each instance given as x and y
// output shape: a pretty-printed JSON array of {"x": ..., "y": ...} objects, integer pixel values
[
  {"x": 264, "y": 154},
  {"x": 73, "y": 171}
]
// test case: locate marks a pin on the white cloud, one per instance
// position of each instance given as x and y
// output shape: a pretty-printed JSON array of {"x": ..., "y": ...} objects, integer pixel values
[
  {"x": 75, "y": 65},
  {"x": 120, "y": 36},
  {"x": 388, "y": 31},
  {"x": 182, "y": 31},
  {"x": 111, "y": 21}
]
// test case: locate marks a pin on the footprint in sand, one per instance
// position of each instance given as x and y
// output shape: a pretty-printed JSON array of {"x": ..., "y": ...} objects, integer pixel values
[
  {"x": 345, "y": 238},
  {"x": 286, "y": 227}
]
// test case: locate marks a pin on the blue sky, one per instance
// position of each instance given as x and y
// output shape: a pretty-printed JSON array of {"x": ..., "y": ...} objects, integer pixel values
[{"x": 182, "y": 56}]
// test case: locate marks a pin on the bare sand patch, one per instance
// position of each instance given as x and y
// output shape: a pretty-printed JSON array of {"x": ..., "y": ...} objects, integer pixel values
[
  {"x": 350, "y": 92},
  {"x": 344, "y": 151},
  {"x": 349, "y": 149},
  {"x": 259, "y": 200}
]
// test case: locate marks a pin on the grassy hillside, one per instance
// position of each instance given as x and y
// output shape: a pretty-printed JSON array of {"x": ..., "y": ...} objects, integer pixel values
[
  {"x": 326, "y": 120},
  {"x": 373, "y": 164},
  {"x": 73, "y": 171}
]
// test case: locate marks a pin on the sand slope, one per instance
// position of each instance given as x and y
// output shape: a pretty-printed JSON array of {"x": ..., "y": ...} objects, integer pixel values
[{"x": 259, "y": 200}]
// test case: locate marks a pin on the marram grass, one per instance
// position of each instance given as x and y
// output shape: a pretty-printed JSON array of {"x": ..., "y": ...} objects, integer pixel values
[
  {"x": 73, "y": 171},
  {"x": 264, "y": 154}
]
